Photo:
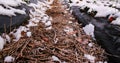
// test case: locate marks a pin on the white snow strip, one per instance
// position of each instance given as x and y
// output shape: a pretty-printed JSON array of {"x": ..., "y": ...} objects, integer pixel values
[
  {"x": 38, "y": 15},
  {"x": 11, "y": 2},
  {"x": 18, "y": 11},
  {"x": 4, "y": 11},
  {"x": 8, "y": 10},
  {"x": 102, "y": 10}
]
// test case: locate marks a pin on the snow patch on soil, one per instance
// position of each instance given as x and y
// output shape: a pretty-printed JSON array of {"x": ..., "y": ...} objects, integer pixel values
[
  {"x": 9, "y": 59},
  {"x": 90, "y": 57},
  {"x": 89, "y": 29}
]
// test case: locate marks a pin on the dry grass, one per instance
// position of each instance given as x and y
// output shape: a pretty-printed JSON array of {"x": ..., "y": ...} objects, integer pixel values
[{"x": 55, "y": 42}]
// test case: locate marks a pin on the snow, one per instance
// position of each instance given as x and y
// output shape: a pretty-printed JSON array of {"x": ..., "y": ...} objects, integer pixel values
[
  {"x": 11, "y": 11},
  {"x": 68, "y": 29},
  {"x": 6, "y": 37},
  {"x": 102, "y": 10},
  {"x": 63, "y": 62},
  {"x": 48, "y": 23},
  {"x": 74, "y": 1},
  {"x": 90, "y": 57},
  {"x": 49, "y": 28},
  {"x": 117, "y": 21},
  {"x": 18, "y": 11},
  {"x": 90, "y": 44},
  {"x": 2, "y": 43},
  {"x": 117, "y": 5},
  {"x": 102, "y": 62},
  {"x": 11, "y": 2},
  {"x": 56, "y": 40},
  {"x": 39, "y": 14},
  {"x": 70, "y": 22},
  {"x": 89, "y": 29},
  {"x": 55, "y": 58},
  {"x": 103, "y": 13},
  {"x": 9, "y": 59},
  {"x": 4, "y": 11},
  {"x": 105, "y": 62},
  {"x": 8, "y": 7},
  {"x": 18, "y": 33},
  {"x": 117, "y": 14},
  {"x": 31, "y": 23},
  {"x": 29, "y": 34}
]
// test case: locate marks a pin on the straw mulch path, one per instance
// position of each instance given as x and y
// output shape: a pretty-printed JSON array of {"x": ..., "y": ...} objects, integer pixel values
[{"x": 69, "y": 46}]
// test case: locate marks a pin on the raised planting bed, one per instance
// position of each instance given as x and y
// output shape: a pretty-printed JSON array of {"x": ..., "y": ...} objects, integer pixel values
[{"x": 106, "y": 34}]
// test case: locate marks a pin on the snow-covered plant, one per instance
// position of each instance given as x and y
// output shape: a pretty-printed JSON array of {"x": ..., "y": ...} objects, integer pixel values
[{"x": 7, "y": 7}]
